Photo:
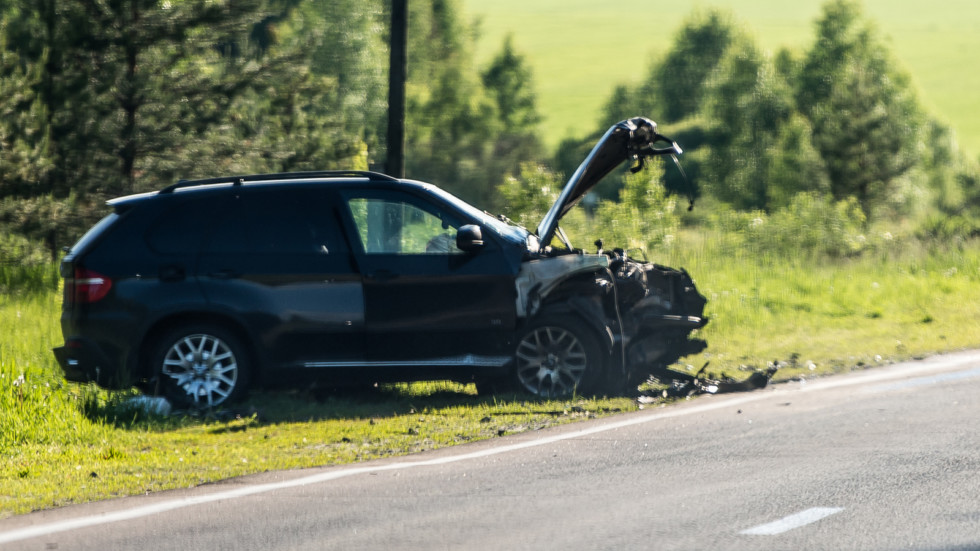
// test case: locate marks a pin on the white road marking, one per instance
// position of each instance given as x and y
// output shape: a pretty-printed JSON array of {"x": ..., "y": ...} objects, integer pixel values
[
  {"x": 792, "y": 522},
  {"x": 931, "y": 380},
  {"x": 949, "y": 362}
]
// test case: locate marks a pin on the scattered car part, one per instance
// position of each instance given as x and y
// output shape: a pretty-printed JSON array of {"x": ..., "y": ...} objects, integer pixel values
[{"x": 681, "y": 384}]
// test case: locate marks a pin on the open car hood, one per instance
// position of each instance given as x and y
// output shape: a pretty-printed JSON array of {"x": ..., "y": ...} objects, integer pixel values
[{"x": 630, "y": 139}]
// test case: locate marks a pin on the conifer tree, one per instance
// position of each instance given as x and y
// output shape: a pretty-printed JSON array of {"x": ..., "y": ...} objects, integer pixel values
[
  {"x": 761, "y": 153},
  {"x": 865, "y": 117}
]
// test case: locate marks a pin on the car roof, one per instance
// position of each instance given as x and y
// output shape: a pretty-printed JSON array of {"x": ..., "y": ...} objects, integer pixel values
[
  {"x": 310, "y": 177},
  {"x": 282, "y": 176}
]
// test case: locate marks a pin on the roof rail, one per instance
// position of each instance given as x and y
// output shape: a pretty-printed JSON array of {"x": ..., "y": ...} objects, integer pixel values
[{"x": 239, "y": 180}]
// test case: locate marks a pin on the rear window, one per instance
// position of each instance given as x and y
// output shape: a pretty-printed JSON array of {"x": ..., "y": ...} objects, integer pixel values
[{"x": 93, "y": 233}]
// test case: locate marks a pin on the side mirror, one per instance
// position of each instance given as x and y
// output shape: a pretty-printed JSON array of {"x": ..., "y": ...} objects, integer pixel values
[{"x": 469, "y": 238}]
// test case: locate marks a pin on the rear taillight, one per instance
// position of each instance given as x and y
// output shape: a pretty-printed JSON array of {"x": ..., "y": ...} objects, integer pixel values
[{"x": 86, "y": 286}]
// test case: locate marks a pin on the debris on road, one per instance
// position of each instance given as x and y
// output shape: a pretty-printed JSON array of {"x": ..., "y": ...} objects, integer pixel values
[{"x": 682, "y": 384}]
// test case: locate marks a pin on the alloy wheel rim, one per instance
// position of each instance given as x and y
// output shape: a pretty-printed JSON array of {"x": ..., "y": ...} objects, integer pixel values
[
  {"x": 551, "y": 361},
  {"x": 204, "y": 367}
]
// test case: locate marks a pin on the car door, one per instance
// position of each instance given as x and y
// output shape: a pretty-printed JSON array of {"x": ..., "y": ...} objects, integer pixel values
[
  {"x": 428, "y": 303},
  {"x": 278, "y": 262}
]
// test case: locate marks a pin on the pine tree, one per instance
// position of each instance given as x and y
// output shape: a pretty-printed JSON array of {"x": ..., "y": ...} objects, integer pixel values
[
  {"x": 448, "y": 118},
  {"x": 509, "y": 83},
  {"x": 347, "y": 42},
  {"x": 678, "y": 82},
  {"x": 761, "y": 152},
  {"x": 865, "y": 117}
]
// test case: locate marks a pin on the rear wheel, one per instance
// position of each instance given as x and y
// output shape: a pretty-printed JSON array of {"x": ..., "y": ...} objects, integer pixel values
[
  {"x": 201, "y": 366},
  {"x": 558, "y": 355}
]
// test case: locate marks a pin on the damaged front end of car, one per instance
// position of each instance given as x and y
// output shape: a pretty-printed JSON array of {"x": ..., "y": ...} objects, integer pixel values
[{"x": 646, "y": 314}]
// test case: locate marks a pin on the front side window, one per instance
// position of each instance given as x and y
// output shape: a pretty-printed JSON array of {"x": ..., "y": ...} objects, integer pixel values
[{"x": 395, "y": 226}]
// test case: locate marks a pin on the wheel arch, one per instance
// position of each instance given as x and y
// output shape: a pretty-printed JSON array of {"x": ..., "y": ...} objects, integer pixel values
[
  {"x": 164, "y": 325},
  {"x": 585, "y": 310},
  {"x": 590, "y": 297},
  {"x": 583, "y": 296}
]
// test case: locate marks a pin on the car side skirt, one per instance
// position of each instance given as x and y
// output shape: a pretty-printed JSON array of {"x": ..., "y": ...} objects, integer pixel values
[{"x": 461, "y": 361}]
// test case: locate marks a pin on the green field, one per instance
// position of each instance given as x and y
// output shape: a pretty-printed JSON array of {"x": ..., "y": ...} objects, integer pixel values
[{"x": 580, "y": 49}]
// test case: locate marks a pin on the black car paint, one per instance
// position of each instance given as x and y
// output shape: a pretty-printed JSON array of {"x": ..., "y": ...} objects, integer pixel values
[
  {"x": 306, "y": 316},
  {"x": 456, "y": 304}
]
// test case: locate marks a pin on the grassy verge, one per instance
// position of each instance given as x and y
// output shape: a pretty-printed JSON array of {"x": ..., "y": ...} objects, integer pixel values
[
  {"x": 814, "y": 316},
  {"x": 122, "y": 451},
  {"x": 62, "y": 443}
]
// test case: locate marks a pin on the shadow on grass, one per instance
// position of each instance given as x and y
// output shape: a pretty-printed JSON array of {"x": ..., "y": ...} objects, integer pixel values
[
  {"x": 382, "y": 401},
  {"x": 126, "y": 409}
]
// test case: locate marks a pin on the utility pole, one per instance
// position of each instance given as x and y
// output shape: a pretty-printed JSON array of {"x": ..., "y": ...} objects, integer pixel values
[{"x": 398, "y": 64}]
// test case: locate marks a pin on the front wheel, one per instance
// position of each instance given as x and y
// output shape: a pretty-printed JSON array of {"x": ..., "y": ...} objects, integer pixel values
[
  {"x": 558, "y": 355},
  {"x": 201, "y": 366}
]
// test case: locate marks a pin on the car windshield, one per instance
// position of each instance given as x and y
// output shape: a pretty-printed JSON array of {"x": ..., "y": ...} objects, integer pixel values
[{"x": 507, "y": 231}]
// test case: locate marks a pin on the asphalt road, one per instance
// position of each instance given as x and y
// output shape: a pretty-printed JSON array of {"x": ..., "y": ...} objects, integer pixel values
[{"x": 884, "y": 459}]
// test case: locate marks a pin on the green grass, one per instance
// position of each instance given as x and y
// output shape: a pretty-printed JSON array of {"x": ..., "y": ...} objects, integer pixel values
[
  {"x": 816, "y": 316},
  {"x": 118, "y": 452},
  {"x": 64, "y": 443},
  {"x": 580, "y": 49}
]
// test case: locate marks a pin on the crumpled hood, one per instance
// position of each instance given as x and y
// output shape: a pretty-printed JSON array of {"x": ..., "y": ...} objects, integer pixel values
[{"x": 630, "y": 139}]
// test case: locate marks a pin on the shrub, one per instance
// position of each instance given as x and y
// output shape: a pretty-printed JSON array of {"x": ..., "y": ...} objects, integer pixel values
[
  {"x": 39, "y": 278},
  {"x": 643, "y": 218},
  {"x": 812, "y": 225}
]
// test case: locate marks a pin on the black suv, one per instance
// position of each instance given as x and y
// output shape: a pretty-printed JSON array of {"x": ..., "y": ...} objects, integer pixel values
[{"x": 207, "y": 287}]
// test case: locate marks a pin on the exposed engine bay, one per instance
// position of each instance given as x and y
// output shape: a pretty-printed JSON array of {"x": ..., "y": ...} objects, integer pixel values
[{"x": 649, "y": 314}]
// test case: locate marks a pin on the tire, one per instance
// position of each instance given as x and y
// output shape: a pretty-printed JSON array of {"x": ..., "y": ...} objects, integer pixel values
[
  {"x": 557, "y": 356},
  {"x": 201, "y": 366}
]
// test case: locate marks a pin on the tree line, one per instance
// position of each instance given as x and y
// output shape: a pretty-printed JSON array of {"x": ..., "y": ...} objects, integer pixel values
[
  {"x": 100, "y": 99},
  {"x": 840, "y": 119},
  {"x": 105, "y": 98}
]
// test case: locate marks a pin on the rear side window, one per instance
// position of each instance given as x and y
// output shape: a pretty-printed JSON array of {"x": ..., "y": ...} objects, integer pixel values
[
  {"x": 292, "y": 222},
  {"x": 182, "y": 228},
  {"x": 93, "y": 233}
]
